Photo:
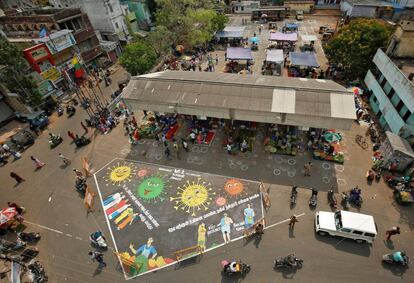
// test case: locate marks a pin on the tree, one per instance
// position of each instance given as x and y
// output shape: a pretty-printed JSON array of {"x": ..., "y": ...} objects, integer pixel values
[
  {"x": 14, "y": 73},
  {"x": 138, "y": 58},
  {"x": 160, "y": 39},
  {"x": 356, "y": 44}
]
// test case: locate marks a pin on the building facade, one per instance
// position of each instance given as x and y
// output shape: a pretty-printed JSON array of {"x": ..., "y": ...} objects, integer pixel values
[
  {"x": 387, "y": 10},
  {"x": 392, "y": 98},
  {"x": 244, "y": 7},
  {"x": 106, "y": 16},
  {"x": 138, "y": 16},
  {"x": 402, "y": 41},
  {"x": 27, "y": 26}
]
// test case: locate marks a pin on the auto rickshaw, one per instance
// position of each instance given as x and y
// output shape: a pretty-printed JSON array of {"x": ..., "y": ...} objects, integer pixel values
[
  {"x": 322, "y": 29},
  {"x": 273, "y": 25}
]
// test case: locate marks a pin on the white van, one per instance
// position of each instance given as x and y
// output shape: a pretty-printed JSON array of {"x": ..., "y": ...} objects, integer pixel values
[{"x": 356, "y": 226}]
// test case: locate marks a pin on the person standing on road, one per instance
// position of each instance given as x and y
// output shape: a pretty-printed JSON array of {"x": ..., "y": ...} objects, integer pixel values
[
  {"x": 78, "y": 173},
  {"x": 176, "y": 149},
  {"x": 16, "y": 177},
  {"x": 71, "y": 135},
  {"x": 307, "y": 168},
  {"x": 393, "y": 231},
  {"x": 38, "y": 163},
  {"x": 292, "y": 221},
  {"x": 229, "y": 148},
  {"x": 65, "y": 160},
  {"x": 167, "y": 152},
  {"x": 157, "y": 138},
  {"x": 84, "y": 128},
  {"x": 192, "y": 137},
  {"x": 98, "y": 257},
  {"x": 185, "y": 144}
]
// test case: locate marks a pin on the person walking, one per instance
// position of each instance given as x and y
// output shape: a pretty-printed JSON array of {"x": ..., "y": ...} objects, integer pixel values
[
  {"x": 97, "y": 256},
  {"x": 185, "y": 144},
  {"x": 157, "y": 138},
  {"x": 229, "y": 149},
  {"x": 65, "y": 160},
  {"x": 84, "y": 127},
  {"x": 38, "y": 163},
  {"x": 78, "y": 173},
  {"x": 217, "y": 60},
  {"x": 192, "y": 137},
  {"x": 167, "y": 152},
  {"x": 164, "y": 140},
  {"x": 16, "y": 177},
  {"x": 71, "y": 135},
  {"x": 292, "y": 221},
  {"x": 307, "y": 168},
  {"x": 176, "y": 149},
  {"x": 393, "y": 231}
]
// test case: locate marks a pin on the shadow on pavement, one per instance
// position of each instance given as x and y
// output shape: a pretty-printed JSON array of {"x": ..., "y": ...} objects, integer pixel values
[
  {"x": 406, "y": 214},
  {"x": 234, "y": 278},
  {"x": 346, "y": 245},
  {"x": 395, "y": 269}
]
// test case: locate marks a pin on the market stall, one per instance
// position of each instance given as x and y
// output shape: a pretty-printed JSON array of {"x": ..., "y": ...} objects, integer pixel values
[
  {"x": 273, "y": 64},
  {"x": 240, "y": 135},
  {"x": 281, "y": 139},
  {"x": 303, "y": 64},
  {"x": 234, "y": 55},
  {"x": 290, "y": 27},
  {"x": 308, "y": 42},
  {"x": 325, "y": 145},
  {"x": 396, "y": 151},
  {"x": 231, "y": 35},
  {"x": 285, "y": 41}
]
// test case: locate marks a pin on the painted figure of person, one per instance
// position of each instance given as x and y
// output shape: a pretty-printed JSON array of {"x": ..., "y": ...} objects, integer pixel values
[
  {"x": 201, "y": 240},
  {"x": 225, "y": 224},
  {"x": 143, "y": 253},
  {"x": 248, "y": 216}
]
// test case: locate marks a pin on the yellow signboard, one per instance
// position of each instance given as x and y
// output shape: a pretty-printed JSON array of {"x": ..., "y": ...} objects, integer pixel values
[{"x": 51, "y": 74}]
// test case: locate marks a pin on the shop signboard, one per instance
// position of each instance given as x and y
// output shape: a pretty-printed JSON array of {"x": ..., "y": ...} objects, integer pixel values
[
  {"x": 62, "y": 42},
  {"x": 51, "y": 74},
  {"x": 39, "y": 53},
  {"x": 45, "y": 87}
]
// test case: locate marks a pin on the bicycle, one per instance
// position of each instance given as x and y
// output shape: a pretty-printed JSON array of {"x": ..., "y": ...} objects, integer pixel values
[{"x": 361, "y": 141}]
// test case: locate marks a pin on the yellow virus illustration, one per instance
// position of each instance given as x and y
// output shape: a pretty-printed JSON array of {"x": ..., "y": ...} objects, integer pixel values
[
  {"x": 120, "y": 173},
  {"x": 193, "y": 197}
]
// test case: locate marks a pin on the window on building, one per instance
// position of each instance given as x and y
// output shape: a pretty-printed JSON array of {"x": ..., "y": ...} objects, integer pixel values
[
  {"x": 381, "y": 79},
  {"x": 391, "y": 93},
  {"x": 110, "y": 8},
  {"x": 76, "y": 24},
  {"x": 384, "y": 83},
  {"x": 375, "y": 99},
  {"x": 237, "y": 8},
  {"x": 85, "y": 45},
  {"x": 116, "y": 25},
  {"x": 242, "y": 8},
  {"x": 399, "y": 105},
  {"x": 406, "y": 116}
]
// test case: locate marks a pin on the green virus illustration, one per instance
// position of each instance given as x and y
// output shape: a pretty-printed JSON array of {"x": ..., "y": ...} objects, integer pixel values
[{"x": 153, "y": 188}]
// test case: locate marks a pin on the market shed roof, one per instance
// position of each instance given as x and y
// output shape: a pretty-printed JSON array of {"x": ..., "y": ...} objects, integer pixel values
[
  {"x": 304, "y": 59},
  {"x": 291, "y": 101},
  {"x": 278, "y": 36},
  {"x": 274, "y": 55},
  {"x": 239, "y": 53},
  {"x": 399, "y": 144}
]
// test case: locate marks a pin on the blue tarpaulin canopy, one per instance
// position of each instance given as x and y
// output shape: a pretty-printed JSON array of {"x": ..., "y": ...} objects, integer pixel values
[
  {"x": 291, "y": 26},
  {"x": 229, "y": 34},
  {"x": 239, "y": 53},
  {"x": 304, "y": 59}
]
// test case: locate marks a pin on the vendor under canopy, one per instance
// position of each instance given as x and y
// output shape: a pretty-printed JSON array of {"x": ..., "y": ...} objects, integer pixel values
[
  {"x": 303, "y": 59},
  {"x": 239, "y": 53}
]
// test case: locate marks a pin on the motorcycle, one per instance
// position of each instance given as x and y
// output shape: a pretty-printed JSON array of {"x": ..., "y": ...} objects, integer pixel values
[
  {"x": 28, "y": 237},
  {"x": 54, "y": 140},
  {"x": 98, "y": 239},
  {"x": 82, "y": 141},
  {"x": 80, "y": 185},
  {"x": 293, "y": 196},
  {"x": 289, "y": 261},
  {"x": 235, "y": 267},
  {"x": 37, "y": 273},
  {"x": 11, "y": 246},
  {"x": 389, "y": 258},
  {"x": 313, "y": 201},
  {"x": 59, "y": 111},
  {"x": 75, "y": 102},
  {"x": 345, "y": 201},
  {"x": 332, "y": 199},
  {"x": 70, "y": 111},
  {"x": 27, "y": 255}
]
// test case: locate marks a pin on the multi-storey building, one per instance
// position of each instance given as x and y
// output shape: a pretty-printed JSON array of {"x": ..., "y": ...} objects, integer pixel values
[{"x": 392, "y": 98}]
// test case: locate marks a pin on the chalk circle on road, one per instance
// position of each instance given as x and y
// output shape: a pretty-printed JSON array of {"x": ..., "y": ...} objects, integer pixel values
[
  {"x": 244, "y": 167},
  {"x": 283, "y": 168},
  {"x": 326, "y": 180},
  {"x": 141, "y": 141},
  {"x": 238, "y": 162},
  {"x": 291, "y": 174},
  {"x": 341, "y": 182},
  {"x": 279, "y": 159},
  {"x": 125, "y": 151},
  {"x": 195, "y": 149},
  {"x": 155, "y": 143},
  {"x": 204, "y": 150},
  {"x": 158, "y": 156},
  {"x": 276, "y": 172},
  {"x": 326, "y": 165},
  {"x": 291, "y": 161},
  {"x": 133, "y": 152},
  {"x": 339, "y": 168}
]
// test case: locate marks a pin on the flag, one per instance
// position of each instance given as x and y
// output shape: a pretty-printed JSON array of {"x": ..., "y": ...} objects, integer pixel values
[{"x": 78, "y": 68}]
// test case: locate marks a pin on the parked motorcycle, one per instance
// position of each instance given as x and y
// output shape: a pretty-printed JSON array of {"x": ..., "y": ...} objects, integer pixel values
[
  {"x": 389, "y": 258},
  {"x": 70, "y": 111},
  {"x": 82, "y": 141},
  {"x": 289, "y": 261},
  {"x": 80, "y": 185},
  {"x": 27, "y": 255},
  {"x": 313, "y": 201},
  {"x": 28, "y": 237},
  {"x": 345, "y": 201},
  {"x": 37, "y": 272},
  {"x": 355, "y": 197},
  {"x": 235, "y": 267},
  {"x": 11, "y": 246},
  {"x": 54, "y": 140},
  {"x": 59, "y": 111},
  {"x": 98, "y": 239},
  {"x": 293, "y": 195},
  {"x": 332, "y": 199}
]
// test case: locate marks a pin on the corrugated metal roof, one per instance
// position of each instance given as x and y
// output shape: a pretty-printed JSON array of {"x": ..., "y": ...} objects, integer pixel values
[
  {"x": 399, "y": 144},
  {"x": 310, "y": 97}
]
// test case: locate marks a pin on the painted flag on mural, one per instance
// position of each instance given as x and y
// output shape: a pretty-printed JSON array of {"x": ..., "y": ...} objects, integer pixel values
[{"x": 78, "y": 68}]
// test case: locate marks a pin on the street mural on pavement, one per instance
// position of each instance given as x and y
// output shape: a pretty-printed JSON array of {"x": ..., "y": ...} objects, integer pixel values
[{"x": 154, "y": 211}]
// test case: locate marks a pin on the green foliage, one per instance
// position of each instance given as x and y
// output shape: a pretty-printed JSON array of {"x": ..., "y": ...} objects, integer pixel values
[
  {"x": 14, "y": 73},
  {"x": 138, "y": 58},
  {"x": 356, "y": 44},
  {"x": 160, "y": 39}
]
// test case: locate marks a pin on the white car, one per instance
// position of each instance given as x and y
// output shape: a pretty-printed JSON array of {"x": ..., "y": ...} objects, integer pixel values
[{"x": 357, "y": 226}]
